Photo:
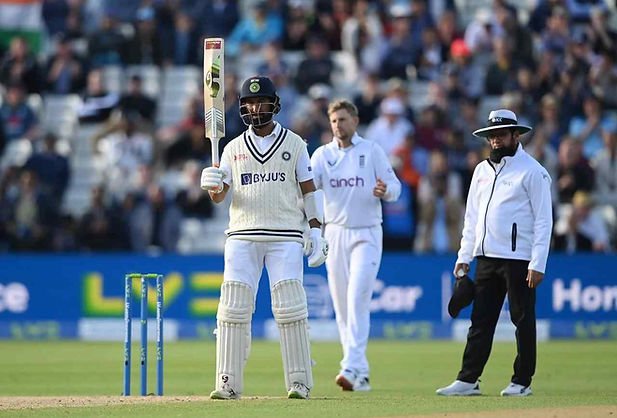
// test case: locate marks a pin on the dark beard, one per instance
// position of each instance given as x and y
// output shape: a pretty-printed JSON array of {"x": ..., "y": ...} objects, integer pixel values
[{"x": 498, "y": 153}]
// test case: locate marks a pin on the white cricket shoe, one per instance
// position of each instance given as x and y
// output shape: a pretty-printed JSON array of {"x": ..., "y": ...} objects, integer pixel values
[
  {"x": 298, "y": 391},
  {"x": 345, "y": 379},
  {"x": 362, "y": 384},
  {"x": 460, "y": 388},
  {"x": 224, "y": 394},
  {"x": 514, "y": 389}
]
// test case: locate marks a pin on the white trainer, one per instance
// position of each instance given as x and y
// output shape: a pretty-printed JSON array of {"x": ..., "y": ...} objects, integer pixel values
[
  {"x": 224, "y": 394},
  {"x": 345, "y": 379},
  {"x": 362, "y": 384},
  {"x": 514, "y": 389},
  {"x": 460, "y": 388},
  {"x": 298, "y": 391}
]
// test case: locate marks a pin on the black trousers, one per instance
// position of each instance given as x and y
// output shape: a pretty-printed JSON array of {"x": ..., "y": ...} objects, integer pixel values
[{"x": 494, "y": 278}]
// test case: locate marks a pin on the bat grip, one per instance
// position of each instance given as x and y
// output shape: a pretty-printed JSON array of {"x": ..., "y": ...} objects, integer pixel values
[{"x": 215, "y": 151}]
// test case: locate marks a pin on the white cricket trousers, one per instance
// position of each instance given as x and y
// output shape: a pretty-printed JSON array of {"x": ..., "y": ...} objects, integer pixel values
[
  {"x": 245, "y": 261},
  {"x": 352, "y": 264}
]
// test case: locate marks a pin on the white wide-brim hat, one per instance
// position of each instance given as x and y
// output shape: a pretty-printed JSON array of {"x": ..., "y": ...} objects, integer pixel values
[{"x": 500, "y": 119}]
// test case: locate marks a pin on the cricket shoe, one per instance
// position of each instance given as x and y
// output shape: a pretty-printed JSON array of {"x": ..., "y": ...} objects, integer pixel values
[
  {"x": 346, "y": 379},
  {"x": 224, "y": 394},
  {"x": 298, "y": 391},
  {"x": 460, "y": 388},
  {"x": 514, "y": 389},
  {"x": 362, "y": 384}
]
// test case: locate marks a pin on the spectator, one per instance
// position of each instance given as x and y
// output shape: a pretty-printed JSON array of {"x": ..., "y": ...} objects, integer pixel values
[
  {"x": 51, "y": 168},
  {"x": 602, "y": 37},
  {"x": 135, "y": 101},
  {"x": 31, "y": 215},
  {"x": 587, "y": 129},
  {"x": 362, "y": 36},
  {"x": 252, "y": 32},
  {"x": 519, "y": 37},
  {"x": 440, "y": 201},
  {"x": 431, "y": 56},
  {"x": 273, "y": 62},
  {"x": 193, "y": 202},
  {"x": 106, "y": 44},
  {"x": 233, "y": 122},
  {"x": 549, "y": 123},
  {"x": 184, "y": 42},
  {"x": 542, "y": 151},
  {"x": 320, "y": 63},
  {"x": 541, "y": 13},
  {"x": 101, "y": 227},
  {"x": 500, "y": 75},
  {"x": 581, "y": 10},
  {"x": 432, "y": 129},
  {"x": 19, "y": 67},
  {"x": 421, "y": 19},
  {"x": 526, "y": 92},
  {"x": 470, "y": 72},
  {"x": 399, "y": 89},
  {"x": 189, "y": 145},
  {"x": 400, "y": 52},
  {"x": 155, "y": 222},
  {"x": 447, "y": 29},
  {"x": 329, "y": 18},
  {"x": 194, "y": 115},
  {"x": 145, "y": 46},
  {"x": 556, "y": 35},
  {"x": 18, "y": 118},
  {"x": 468, "y": 120},
  {"x": 66, "y": 71},
  {"x": 603, "y": 80},
  {"x": 287, "y": 93},
  {"x": 297, "y": 26},
  {"x": 579, "y": 227},
  {"x": 121, "y": 151},
  {"x": 54, "y": 14},
  {"x": 312, "y": 122},
  {"x": 391, "y": 127},
  {"x": 480, "y": 32},
  {"x": 573, "y": 171},
  {"x": 97, "y": 102},
  {"x": 605, "y": 166},
  {"x": 367, "y": 99},
  {"x": 215, "y": 17}
]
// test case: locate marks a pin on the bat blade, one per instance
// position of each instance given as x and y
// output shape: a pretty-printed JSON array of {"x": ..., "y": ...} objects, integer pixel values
[{"x": 214, "y": 93}]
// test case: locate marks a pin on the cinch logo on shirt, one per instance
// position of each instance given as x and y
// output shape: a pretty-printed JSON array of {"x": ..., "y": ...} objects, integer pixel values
[
  {"x": 350, "y": 182},
  {"x": 250, "y": 178}
]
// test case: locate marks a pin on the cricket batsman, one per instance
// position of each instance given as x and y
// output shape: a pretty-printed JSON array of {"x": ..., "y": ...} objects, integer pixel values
[{"x": 269, "y": 169}]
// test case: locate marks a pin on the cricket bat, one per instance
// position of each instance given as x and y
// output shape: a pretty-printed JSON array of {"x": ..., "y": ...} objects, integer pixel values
[{"x": 214, "y": 93}]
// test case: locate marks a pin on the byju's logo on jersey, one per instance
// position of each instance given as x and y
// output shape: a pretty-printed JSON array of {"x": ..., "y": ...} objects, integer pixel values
[{"x": 253, "y": 178}]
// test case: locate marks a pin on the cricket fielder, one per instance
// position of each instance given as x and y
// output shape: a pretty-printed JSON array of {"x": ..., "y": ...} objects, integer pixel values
[
  {"x": 355, "y": 175},
  {"x": 268, "y": 167}
]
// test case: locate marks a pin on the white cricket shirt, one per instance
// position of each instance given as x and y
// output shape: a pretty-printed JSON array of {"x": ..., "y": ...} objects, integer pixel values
[{"x": 347, "y": 177}]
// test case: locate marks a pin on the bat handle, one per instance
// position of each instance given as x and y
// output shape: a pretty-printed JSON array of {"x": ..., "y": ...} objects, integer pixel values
[{"x": 215, "y": 152}]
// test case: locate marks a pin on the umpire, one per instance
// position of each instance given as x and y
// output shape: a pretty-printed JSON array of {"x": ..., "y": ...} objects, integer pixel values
[{"x": 508, "y": 223}]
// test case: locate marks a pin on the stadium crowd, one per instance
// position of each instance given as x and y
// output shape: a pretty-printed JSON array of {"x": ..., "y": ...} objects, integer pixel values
[{"x": 422, "y": 73}]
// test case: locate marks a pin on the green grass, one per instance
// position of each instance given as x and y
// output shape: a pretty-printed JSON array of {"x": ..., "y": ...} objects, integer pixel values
[{"x": 404, "y": 377}]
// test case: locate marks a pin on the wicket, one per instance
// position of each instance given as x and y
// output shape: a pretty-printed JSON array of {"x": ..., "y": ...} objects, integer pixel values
[{"x": 128, "y": 290}]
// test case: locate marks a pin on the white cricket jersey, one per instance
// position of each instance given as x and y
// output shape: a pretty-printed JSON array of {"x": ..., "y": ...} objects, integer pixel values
[
  {"x": 347, "y": 177},
  {"x": 509, "y": 212},
  {"x": 265, "y": 174}
]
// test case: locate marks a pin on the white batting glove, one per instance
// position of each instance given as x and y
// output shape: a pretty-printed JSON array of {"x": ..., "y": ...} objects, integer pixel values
[
  {"x": 212, "y": 179},
  {"x": 316, "y": 248}
]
